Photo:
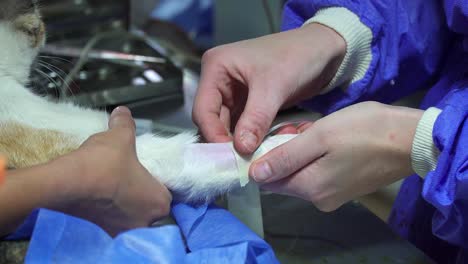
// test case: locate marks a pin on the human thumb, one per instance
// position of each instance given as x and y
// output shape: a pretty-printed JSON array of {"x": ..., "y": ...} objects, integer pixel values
[
  {"x": 121, "y": 117},
  {"x": 259, "y": 113}
]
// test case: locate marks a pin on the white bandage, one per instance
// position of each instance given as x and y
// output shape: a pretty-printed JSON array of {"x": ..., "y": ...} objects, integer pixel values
[
  {"x": 221, "y": 161},
  {"x": 243, "y": 163}
]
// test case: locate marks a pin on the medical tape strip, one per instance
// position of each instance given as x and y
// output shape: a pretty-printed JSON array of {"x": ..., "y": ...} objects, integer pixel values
[
  {"x": 243, "y": 162},
  {"x": 243, "y": 165},
  {"x": 212, "y": 157},
  {"x": 226, "y": 160}
]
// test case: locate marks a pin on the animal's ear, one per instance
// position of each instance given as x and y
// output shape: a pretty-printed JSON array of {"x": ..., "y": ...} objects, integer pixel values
[{"x": 11, "y": 9}]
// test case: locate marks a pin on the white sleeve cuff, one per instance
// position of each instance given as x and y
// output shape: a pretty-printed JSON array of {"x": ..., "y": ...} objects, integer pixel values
[
  {"x": 424, "y": 153},
  {"x": 358, "y": 39}
]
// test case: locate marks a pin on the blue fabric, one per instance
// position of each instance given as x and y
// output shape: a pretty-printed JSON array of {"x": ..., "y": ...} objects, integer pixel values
[
  {"x": 194, "y": 16},
  {"x": 419, "y": 44},
  {"x": 204, "y": 234},
  {"x": 409, "y": 46},
  {"x": 446, "y": 188},
  {"x": 26, "y": 228}
]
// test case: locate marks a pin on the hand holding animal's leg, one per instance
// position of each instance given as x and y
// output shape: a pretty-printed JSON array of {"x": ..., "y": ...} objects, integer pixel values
[{"x": 101, "y": 181}]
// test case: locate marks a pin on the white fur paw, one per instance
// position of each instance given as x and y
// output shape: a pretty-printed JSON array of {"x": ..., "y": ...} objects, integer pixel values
[
  {"x": 191, "y": 174},
  {"x": 162, "y": 156}
]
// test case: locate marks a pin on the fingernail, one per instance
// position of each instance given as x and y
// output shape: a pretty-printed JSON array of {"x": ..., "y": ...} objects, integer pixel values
[
  {"x": 121, "y": 110},
  {"x": 249, "y": 140},
  {"x": 262, "y": 172}
]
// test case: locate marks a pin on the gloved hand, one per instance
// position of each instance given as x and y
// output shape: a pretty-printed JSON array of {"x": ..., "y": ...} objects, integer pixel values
[
  {"x": 347, "y": 154},
  {"x": 113, "y": 189},
  {"x": 243, "y": 85}
]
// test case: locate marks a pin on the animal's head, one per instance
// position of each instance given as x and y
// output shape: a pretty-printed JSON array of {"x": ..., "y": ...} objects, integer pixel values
[{"x": 22, "y": 33}]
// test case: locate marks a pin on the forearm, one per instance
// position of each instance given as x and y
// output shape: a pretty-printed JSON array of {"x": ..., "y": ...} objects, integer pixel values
[{"x": 35, "y": 187}]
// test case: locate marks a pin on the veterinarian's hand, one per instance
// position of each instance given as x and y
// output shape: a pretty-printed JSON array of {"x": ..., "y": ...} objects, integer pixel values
[
  {"x": 114, "y": 190},
  {"x": 350, "y": 153},
  {"x": 243, "y": 85}
]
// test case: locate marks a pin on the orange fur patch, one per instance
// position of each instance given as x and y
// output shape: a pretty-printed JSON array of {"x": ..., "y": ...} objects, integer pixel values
[
  {"x": 32, "y": 25},
  {"x": 26, "y": 146}
]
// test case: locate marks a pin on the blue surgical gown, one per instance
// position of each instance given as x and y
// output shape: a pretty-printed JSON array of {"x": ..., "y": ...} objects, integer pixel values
[{"x": 417, "y": 44}]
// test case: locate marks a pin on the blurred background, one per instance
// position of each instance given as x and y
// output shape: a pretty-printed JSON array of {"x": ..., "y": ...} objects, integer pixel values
[
  {"x": 142, "y": 53},
  {"x": 100, "y": 37}
]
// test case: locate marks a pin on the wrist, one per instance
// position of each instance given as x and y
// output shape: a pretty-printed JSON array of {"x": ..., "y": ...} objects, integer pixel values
[
  {"x": 23, "y": 191},
  {"x": 65, "y": 180},
  {"x": 334, "y": 43},
  {"x": 333, "y": 49},
  {"x": 403, "y": 122},
  {"x": 358, "y": 39}
]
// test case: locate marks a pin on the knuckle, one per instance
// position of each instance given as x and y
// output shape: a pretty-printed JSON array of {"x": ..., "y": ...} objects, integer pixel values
[
  {"x": 124, "y": 126},
  {"x": 202, "y": 118},
  {"x": 322, "y": 134},
  {"x": 97, "y": 139},
  {"x": 197, "y": 117},
  {"x": 130, "y": 125},
  {"x": 203, "y": 127},
  {"x": 124, "y": 137},
  {"x": 212, "y": 55},
  {"x": 325, "y": 207},
  {"x": 282, "y": 163},
  {"x": 128, "y": 137},
  {"x": 371, "y": 104},
  {"x": 259, "y": 119},
  {"x": 162, "y": 208},
  {"x": 323, "y": 202},
  {"x": 315, "y": 195}
]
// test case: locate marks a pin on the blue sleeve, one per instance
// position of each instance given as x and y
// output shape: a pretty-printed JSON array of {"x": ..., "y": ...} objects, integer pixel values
[
  {"x": 410, "y": 39},
  {"x": 446, "y": 188},
  {"x": 457, "y": 16}
]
